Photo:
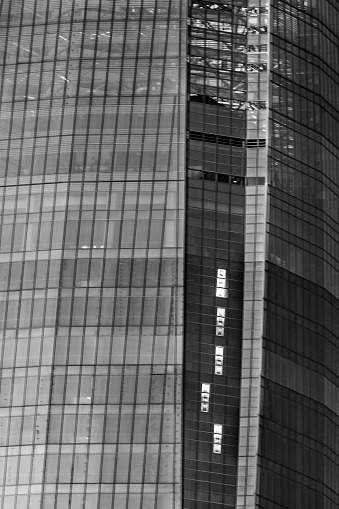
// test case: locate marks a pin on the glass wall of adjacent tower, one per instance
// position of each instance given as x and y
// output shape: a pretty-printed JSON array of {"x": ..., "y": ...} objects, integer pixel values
[
  {"x": 91, "y": 186},
  {"x": 299, "y": 455}
]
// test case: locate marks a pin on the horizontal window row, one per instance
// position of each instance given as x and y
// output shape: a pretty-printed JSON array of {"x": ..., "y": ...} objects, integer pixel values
[
  {"x": 50, "y": 122},
  {"x": 85, "y": 429},
  {"x": 62, "y": 158},
  {"x": 81, "y": 311},
  {"x": 103, "y": 500},
  {"x": 110, "y": 467},
  {"x": 87, "y": 197},
  {"x": 139, "y": 389},
  {"x": 108, "y": 273},
  {"x": 128, "y": 233},
  {"x": 56, "y": 11},
  {"x": 62, "y": 83},
  {"x": 135, "y": 345},
  {"x": 160, "y": 42}
]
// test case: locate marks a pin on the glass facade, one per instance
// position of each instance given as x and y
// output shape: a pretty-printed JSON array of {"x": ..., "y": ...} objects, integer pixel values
[
  {"x": 299, "y": 462},
  {"x": 226, "y": 176},
  {"x": 104, "y": 166},
  {"x": 92, "y": 159}
]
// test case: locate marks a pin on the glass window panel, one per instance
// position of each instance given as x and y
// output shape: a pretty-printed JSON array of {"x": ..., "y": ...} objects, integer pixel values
[
  {"x": 72, "y": 389},
  {"x": 141, "y": 237},
  {"x": 45, "y": 234},
  {"x": 65, "y": 468},
  {"x": 19, "y": 237},
  {"x": 114, "y": 389},
  {"x": 6, "y": 237},
  {"x": 139, "y": 432},
  {"x": 96, "y": 430},
  {"x": 12, "y": 314},
  {"x": 83, "y": 428},
  {"x": 54, "y": 429},
  {"x": 28, "y": 277},
  {"x": 41, "y": 273},
  {"x": 37, "y": 468},
  {"x": 22, "y": 352},
  {"x": 89, "y": 350},
  {"x": 9, "y": 351},
  {"x": 4, "y": 273},
  {"x": 100, "y": 389},
  {"x": 58, "y": 232},
  {"x": 86, "y": 389},
  {"x": 61, "y": 350},
  {"x": 96, "y": 272},
  {"x": 104, "y": 344},
  {"x": 11, "y": 470},
  {"x": 75, "y": 350},
  {"x": 126, "y": 422},
  {"x": 78, "y": 312},
  {"x": 58, "y": 387},
  {"x": 82, "y": 272},
  {"x": 108, "y": 468},
  {"x": 93, "y": 311},
  {"x": 71, "y": 234},
  {"x": 52, "y": 462},
  {"x": 24, "y": 471},
  {"x": 32, "y": 236},
  {"x": 38, "y": 312},
  {"x": 68, "y": 429}
]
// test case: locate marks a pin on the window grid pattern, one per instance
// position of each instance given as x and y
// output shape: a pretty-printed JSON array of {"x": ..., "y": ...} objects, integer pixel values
[
  {"x": 300, "y": 384},
  {"x": 91, "y": 243},
  {"x": 214, "y": 240}
]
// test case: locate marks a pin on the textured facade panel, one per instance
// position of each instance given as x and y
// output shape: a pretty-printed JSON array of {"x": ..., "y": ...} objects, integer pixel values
[{"x": 91, "y": 175}]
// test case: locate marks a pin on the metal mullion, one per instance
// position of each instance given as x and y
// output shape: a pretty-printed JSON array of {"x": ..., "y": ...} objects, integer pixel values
[
  {"x": 109, "y": 366},
  {"x": 113, "y": 333}
]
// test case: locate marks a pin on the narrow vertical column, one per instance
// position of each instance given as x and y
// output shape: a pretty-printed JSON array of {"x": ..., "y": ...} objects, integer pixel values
[{"x": 254, "y": 266}]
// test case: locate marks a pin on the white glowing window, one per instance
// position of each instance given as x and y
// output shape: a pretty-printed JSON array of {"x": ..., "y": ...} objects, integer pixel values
[
  {"x": 220, "y": 321},
  {"x": 217, "y": 429},
  {"x": 204, "y": 407},
  {"x": 217, "y": 439},
  {"x": 205, "y": 388},
  {"x": 218, "y": 370},
  {"x": 221, "y": 312},
  {"x": 219, "y": 331},
  {"x": 221, "y": 283},
  {"x": 222, "y": 273},
  {"x": 221, "y": 292},
  {"x": 205, "y": 397},
  {"x": 217, "y": 448},
  {"x": 219, "y": 360},
  {"x": 219, "y": 350}
]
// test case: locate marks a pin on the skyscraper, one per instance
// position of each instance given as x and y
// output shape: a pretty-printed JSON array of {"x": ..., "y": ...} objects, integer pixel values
[
  {"x": 92, "y": 185},
  {"x": 133, "y": 218}
]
